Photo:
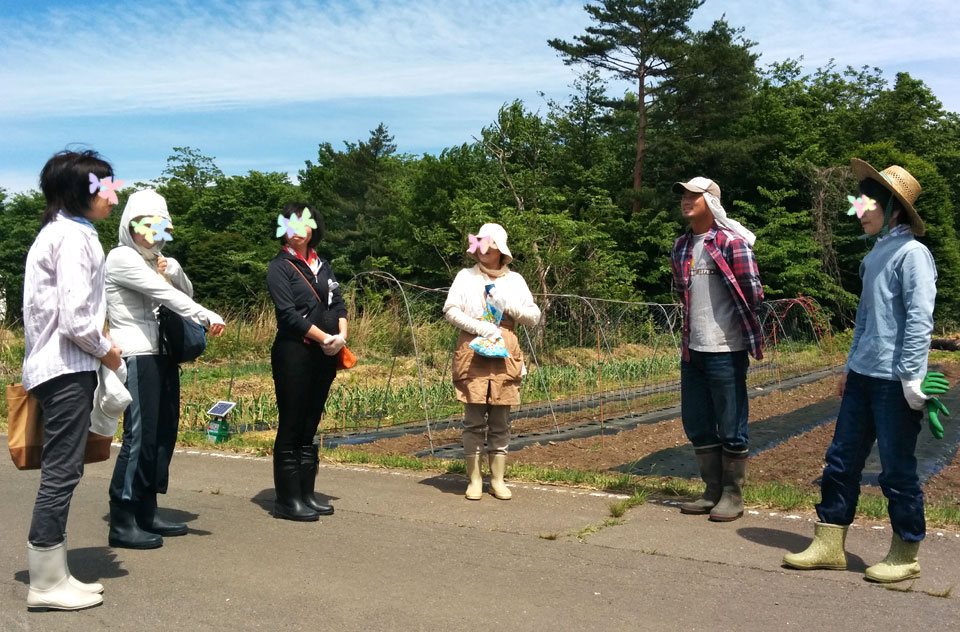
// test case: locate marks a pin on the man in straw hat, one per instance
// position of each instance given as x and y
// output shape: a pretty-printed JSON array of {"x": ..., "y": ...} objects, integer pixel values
[
  {"x": 716, "y": 273},
  {"x": 883, "y": 388}
]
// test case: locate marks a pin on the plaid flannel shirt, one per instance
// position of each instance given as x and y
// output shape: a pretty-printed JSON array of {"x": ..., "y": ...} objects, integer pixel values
[{"x": 738, "y": 267}]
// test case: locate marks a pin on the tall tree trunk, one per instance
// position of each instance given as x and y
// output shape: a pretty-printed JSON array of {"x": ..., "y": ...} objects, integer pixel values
[{"x": 641, "y": 139}]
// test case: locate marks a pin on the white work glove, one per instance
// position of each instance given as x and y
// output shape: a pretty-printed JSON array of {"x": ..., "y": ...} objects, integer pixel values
[
  {"x": 332, "y": 345},
  {"x": 487, "y": 330},
  {"x": 916, "y": 398},
  {"x": 497, "y": 299},
  {"x": 456, "y": 317}
]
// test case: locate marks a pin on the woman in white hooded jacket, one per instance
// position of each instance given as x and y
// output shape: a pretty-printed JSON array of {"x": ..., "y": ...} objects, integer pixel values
[
  {"x": 488, "y": 386},
  {"x": 138, "y": 281}
]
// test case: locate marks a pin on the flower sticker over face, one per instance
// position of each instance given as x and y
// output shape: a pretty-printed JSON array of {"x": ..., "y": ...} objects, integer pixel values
[
  {"x": 285, "y": 225},
  {"x": 161, "y": 229},
  {"x": 153, "y": 229},
  {"x": 860, "y": 205},
  {"x": 108, "y": 187},
  {"x": 481, "y": 243},
  {"x": 295, "y": 225}
]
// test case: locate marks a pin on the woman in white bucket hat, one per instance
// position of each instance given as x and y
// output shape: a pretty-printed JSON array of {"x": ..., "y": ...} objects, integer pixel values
[{"x": 488, "y": 386}]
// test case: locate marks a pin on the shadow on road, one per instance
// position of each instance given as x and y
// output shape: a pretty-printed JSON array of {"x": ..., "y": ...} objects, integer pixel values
[
  {"x": 792, "y": 543},
  {"x": 88, "y": 565},
  {"x": 447, "y": 483},
  {"x": 265, "y": 499},
  {"x": 175, "y": 515}
]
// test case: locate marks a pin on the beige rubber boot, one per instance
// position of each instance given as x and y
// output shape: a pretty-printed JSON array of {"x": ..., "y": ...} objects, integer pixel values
[
  {"x": 899, "y": 564},
  {"x": 498, "y": 465},
  {"x": 826, "y": 550},
  {"x": 50, "y": 586},
  {"x": 475, "y": 487}
]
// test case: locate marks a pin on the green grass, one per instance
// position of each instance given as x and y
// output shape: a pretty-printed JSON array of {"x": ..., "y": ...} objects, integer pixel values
[{"x": 620, "y": 507}]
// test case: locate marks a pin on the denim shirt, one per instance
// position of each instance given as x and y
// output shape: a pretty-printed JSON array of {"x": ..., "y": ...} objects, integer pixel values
[{"x": 891, "y": 339}]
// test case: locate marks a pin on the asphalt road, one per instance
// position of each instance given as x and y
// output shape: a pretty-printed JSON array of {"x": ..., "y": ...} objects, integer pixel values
[{"x": 406, "y": 551}]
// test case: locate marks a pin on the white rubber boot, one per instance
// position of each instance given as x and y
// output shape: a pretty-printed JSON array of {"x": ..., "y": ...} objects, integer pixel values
[
  {"x": 50, "y": 586},
  {"x": 95, "y": 587}
]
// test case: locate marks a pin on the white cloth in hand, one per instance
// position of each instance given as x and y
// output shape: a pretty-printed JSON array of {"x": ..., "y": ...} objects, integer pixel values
[
  {"x": 914, "y": 396},
  {"x": 487, "y": 330},
  {"x": 333, "y": 344}
]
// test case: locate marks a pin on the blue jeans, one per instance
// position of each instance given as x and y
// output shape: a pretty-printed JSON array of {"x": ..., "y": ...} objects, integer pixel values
[
  {"x": 874, "y": 409},
  {"x": 713, "y": 399}
]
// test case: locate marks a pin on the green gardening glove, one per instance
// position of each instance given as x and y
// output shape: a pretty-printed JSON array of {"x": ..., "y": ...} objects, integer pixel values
[
  {"x": 934, "y": 409},
  {"x": 934, "y": 384}
]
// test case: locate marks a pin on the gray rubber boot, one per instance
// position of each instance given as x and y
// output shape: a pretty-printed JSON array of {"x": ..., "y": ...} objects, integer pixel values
[
  {"x": 730, "y": 506},
  {"x": 711, "y": 471}
]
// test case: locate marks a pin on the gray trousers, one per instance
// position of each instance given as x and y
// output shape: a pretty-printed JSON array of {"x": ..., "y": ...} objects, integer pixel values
[
  {"x": 481, "y": 420},
  {"x": 66, "y": 402}
]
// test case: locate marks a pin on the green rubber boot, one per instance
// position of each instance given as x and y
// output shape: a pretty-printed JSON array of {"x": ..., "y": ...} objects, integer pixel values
[
  {"x": 711, "y": 471},
  {"x": 826, "y": 550},
  {"x": 730, "y": 505},
  {"x": 899, "y": 564}
]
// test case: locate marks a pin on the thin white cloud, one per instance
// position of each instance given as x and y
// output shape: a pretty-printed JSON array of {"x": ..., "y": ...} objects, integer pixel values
[
  {"x": 193, "y": 56},
  {"x": 890, "y": 34}
]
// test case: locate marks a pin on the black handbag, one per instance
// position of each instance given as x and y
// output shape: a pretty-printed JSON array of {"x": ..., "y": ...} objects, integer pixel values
[{"x": 181, "y": 339}]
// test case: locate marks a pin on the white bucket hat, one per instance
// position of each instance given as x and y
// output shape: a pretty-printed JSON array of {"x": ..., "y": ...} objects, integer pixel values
[
  {"x": 109, "y": 401},
  {"x": 498, "y": 236}
]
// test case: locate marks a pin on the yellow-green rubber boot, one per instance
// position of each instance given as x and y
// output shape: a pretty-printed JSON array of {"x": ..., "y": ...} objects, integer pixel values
[
  {"x": 826, "y": 550},
  {"x": 475, "y": 486},
  {"x": 899, "y": 564},
  {"x": 498, "y": 465}
]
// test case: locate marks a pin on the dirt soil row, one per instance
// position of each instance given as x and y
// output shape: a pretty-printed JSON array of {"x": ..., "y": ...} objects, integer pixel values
[{"x": 799, "y": 460}]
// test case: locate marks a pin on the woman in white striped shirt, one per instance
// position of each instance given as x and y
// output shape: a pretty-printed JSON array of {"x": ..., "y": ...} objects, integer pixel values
[{"x": 64, "y": 309}]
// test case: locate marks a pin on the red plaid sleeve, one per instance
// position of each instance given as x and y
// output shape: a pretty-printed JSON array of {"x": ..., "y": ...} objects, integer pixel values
[{"x": 744, "y": 268}]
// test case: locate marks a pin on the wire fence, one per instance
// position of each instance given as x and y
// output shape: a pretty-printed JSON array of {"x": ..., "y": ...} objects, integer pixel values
[{"x": 586, "y": 358}]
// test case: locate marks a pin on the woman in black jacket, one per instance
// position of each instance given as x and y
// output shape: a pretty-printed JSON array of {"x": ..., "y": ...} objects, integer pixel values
[{"x": 311, "y": 331}]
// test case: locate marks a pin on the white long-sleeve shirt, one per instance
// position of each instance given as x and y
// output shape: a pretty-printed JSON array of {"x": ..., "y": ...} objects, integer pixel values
[
  {"x": 465, "y": 300},
  {"x": 64, "y": 302},
  {"x": 134, "y": 293}
]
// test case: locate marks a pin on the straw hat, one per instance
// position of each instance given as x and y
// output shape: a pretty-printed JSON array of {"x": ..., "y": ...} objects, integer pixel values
[{"x": 898, "y": 181}]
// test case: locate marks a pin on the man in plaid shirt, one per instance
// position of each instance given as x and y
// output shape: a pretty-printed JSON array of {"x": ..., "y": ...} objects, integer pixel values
[{"x": 715, "y": 271}]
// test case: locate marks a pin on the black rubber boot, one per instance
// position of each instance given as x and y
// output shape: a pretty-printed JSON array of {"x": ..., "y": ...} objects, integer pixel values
[
  {"x": 149, "y": 520},
  {"x": 309, "y": 463},
  {"x": 124, "y": 531},
  {"x": 286, "y": 481}
]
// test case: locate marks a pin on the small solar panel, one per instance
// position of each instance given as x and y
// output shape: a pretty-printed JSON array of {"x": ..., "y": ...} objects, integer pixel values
[{"x": 221, "y": 408}]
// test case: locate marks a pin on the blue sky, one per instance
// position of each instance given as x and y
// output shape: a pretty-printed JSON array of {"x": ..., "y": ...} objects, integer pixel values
[{"x": 258, "y": 85}]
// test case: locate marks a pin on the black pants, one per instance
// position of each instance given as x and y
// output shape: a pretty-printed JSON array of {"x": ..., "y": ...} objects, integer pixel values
[
  {"x": 66, "y": 402},
  {"x": 149, "y": 429},
  {"x": 302, "y": 376}
]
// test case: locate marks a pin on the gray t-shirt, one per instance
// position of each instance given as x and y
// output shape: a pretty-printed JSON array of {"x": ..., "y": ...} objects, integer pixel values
[{"x": 714, "y": 323}]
